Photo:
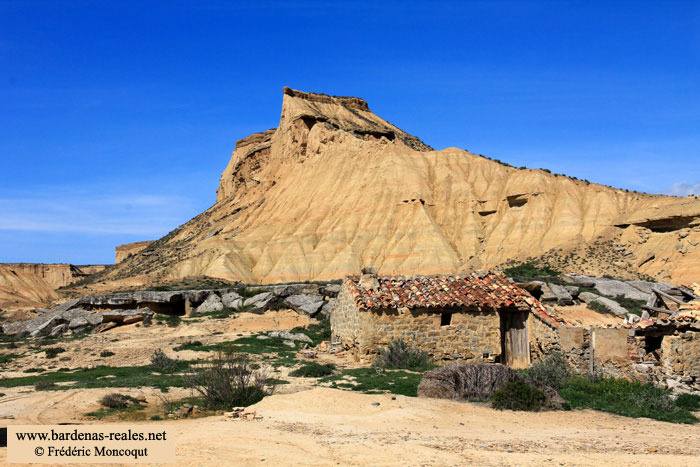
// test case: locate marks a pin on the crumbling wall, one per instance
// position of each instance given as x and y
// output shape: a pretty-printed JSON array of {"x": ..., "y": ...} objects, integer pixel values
[{"x": 544, "y": 339}]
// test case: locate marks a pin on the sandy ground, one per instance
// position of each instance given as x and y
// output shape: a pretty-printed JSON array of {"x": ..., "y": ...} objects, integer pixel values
[
  {"x": 325, "y": 426},
  {"x": 307, "y": 425}
]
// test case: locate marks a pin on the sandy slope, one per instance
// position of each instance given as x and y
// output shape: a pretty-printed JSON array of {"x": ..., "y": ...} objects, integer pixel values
[{"x": 333, "y": 427}]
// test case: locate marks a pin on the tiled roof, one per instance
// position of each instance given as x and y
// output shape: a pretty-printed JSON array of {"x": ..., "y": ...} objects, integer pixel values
[{"x": 491, "y": 291}]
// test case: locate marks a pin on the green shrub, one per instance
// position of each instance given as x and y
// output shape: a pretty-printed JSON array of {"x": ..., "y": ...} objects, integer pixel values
[
  {"x": 106, "y": 353},
  {"x": 628, "y": 398},
  {"x": 313, "y": 370},
  {"x": 517, "y": 395},
  {"x": 553, "y": 371},
  {"x": 162, "y": 363},
  {"x": 399, "y": 356},
  {"x": 688, "y": 402},
  {"x": 228, "y": 381},
  {"x": 51, "y": 352},
  {"x": 187, "y": 345},
  {"x": 530, "y": 270}
]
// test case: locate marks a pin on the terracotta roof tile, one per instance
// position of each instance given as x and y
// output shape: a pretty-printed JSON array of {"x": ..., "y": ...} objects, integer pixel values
[{"x": 491, "y": 291}]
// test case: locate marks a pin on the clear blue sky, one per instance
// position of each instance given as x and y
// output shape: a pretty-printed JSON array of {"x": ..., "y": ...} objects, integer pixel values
[{"x": 117, "y": 118}]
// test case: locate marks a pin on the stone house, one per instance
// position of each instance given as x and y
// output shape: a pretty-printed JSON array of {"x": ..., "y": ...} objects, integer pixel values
[{"x": 471, "y": 318}]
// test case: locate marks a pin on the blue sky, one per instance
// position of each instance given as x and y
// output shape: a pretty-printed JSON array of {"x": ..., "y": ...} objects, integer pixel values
[{"x": 117, "y": 118}]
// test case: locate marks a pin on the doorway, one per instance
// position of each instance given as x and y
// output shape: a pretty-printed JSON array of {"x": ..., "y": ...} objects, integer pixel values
[{"x": 515, "y": 345}]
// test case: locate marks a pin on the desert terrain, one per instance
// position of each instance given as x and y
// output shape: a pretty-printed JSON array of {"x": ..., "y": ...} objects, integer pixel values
[{"x": 306, "y": 422}]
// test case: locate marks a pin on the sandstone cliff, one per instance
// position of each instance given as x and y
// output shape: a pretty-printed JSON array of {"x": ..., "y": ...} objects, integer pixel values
[
  {"x": 34, "y": 285},
  {"x": 121, "y": 252},
  {"x": 334, "y": 187}
]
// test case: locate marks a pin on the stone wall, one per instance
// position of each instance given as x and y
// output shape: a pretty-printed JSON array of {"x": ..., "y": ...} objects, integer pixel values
[
  {"x": 544, "y": 339},
  {"x": 471, "y": 336}
]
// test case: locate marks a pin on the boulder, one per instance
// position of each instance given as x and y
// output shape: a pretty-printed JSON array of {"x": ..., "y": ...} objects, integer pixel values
[
  {"x": 573, "y": 290},
  {"x": 613, "y": 306},
  {"x": 307, "y": 304},
  {"x": 58, "y": 330},
  {"x": 330, "y": 290},
  {"x": 582, "y": 281},
  {"x": 615, "y": 288},
  {"x": 231, "y": 300},
  {"x": 65, "y": 306},
  {"x": 260, "y": 300},
  {"x": 286, "y": 335},
  {"x": 212, "y": 303},
  {"x": 78, "y": 323},
  {"x": 562, "y": 294},
  {"x": 45, "y": 322},
  {"x": 126, "y": 316},
  {"x": 327, "y": 309},
  {"x": 548, "y": 294}
]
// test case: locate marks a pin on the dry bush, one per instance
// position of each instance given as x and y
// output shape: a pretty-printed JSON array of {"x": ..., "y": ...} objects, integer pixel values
[
  {"x": 229, "y": 381},
  {"x": 117, "y": 401},
  {"x": 465, "y": 382}
]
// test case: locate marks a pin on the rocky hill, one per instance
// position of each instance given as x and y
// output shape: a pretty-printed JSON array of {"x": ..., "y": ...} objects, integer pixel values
[
  {"x": 335, "y": 187},
  {"x": 34, "y": 285}
]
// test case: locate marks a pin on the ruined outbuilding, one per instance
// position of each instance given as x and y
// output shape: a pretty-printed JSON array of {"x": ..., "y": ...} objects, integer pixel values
[{"x": 478, "y": 317}]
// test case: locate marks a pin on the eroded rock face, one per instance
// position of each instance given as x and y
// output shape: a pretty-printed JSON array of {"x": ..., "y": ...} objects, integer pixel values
[{"x": 335, "y": 186}]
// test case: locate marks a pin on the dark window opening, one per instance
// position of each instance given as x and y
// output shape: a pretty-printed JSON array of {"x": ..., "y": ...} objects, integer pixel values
[
  {"x": 652, "y": 343},
  {"x": 445, "y": 318}
]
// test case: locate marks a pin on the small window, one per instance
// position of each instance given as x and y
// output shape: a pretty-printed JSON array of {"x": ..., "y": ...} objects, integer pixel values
[{"x": 445, "y": 318}]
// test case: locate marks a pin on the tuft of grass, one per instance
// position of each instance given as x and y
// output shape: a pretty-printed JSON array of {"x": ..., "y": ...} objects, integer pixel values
[
  {"x": 376, "y": 381},
  {"x": 103, "y": 412},
  {"x": 400, "y": 356},
  {"x": 318, "y": 332},
  {"x": 43, "y": 385},
  {"x": 688, "y": 402},
  {"x": 52, "y": 352},
  {"x": 517, "y": 395},
  {"x": 189, "y": 345},
  {"x": 7, "y": 358},
  {"x": 313, "y": 370},
  {"x": 628, "y": 398},
  {"x": 103, "y": 377},
  {"x": 272, "y": 348},
  {"x": 172, "y": 321}
]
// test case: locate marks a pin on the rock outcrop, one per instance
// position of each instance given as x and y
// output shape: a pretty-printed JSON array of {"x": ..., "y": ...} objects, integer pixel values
[
  {"x": 25, "y": 285},
  {"x": 121, "y": 252},
  {"x": 335, "y": 187}
]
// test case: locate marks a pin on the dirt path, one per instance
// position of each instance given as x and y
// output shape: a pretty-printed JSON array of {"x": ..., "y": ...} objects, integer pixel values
[{"x": 332, "y": 427}]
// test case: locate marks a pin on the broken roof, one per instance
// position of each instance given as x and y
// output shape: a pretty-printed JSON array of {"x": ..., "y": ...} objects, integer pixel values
[{"x": 490, "y": 291}]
